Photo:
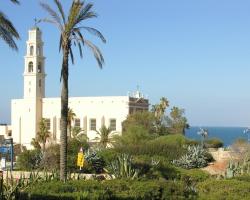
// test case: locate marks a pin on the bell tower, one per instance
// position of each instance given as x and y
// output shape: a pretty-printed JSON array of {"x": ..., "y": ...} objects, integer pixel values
[
  {"x": 34, "y": 86},
  {"x": 34, "y": 71}
]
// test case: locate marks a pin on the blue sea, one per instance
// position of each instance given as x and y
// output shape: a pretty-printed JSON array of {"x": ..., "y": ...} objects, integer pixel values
[{"x": 227, "y": 134}]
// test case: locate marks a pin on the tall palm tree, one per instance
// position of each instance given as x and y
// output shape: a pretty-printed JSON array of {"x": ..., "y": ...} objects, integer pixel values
[
  {"x": 70, "y": 34},
  {"x": 159, "y": 109},
  {"x": 105, "y": 136},
  {"x": 8, "y": 33},
  {"x": 71, "y": 117}
]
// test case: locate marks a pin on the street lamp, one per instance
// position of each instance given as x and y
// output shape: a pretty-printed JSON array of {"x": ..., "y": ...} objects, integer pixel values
[{"x": 247, "y": 131}]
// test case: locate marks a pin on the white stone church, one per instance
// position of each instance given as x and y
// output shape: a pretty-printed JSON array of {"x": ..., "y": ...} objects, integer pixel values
[{"x": 91, "y": 112}]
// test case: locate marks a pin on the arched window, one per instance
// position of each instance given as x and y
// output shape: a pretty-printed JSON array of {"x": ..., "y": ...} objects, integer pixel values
[
  {"x": 30, "y": 66},
  {"x": 39, "y": 68},
  {"x": 31, "y": 50},
  {"x": 38, "y": 50}
]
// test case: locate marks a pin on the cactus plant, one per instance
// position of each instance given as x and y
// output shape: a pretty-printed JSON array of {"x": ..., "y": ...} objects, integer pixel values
[
  {"x": 236, "y": 168},
  {"x": 233, "y": 169}
]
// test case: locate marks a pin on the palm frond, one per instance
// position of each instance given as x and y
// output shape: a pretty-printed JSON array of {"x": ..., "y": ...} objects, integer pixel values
[
  {"x": 8, "y": 38},
  {"x": 8, "y": 26},
  {"x": 15, "y": 1},
  {"x": 96, "y": 51},
  {"x": 59, "y": 6},
  {"x": 85, "y": 13},
  {"x": 53, "y": 14},
  {"x": 8, "y": 32},
  {"x": 51, "y": 21},
  {"x": 71, "y": 56},
  {"x": 80, "y": 49},
  {"x": 73, "y": 13},
  {"x": 78, "y": 32},
  {"x": 94, "y": 32}
]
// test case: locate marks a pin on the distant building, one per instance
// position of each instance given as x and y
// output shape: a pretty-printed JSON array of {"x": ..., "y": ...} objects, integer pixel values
[{"x": 91, "y": 112}]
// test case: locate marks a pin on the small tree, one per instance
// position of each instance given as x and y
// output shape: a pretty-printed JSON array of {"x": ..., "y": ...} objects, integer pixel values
[
  {"x": 43, "y": 134},
  {"x": 143, "y": 119},
  {"x": 79, "y": 134},
  {"x": 176, "y": 122},
  {"x": 71, "y": 117},
  {"x": 105, "y": 136},
  {"x": 159, "y": 113}
]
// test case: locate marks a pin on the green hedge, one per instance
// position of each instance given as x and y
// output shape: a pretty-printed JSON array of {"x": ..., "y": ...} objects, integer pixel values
[{"x": 112, "y": 189}]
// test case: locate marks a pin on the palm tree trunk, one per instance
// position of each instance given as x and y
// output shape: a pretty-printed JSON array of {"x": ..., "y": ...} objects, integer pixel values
[
  {"x": 70, "y": 131},
  {"x": 64, "y": 115},
  {"x": 43, "y": 147}
]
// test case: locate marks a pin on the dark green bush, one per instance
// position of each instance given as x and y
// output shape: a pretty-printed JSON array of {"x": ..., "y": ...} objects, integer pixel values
[
  {"x": 29, "y": 160},
  {"x": 213, "y": 143}
]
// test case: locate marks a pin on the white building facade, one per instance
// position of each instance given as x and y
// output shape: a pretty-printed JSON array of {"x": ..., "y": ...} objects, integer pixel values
[{"x": 91, "y": 112}]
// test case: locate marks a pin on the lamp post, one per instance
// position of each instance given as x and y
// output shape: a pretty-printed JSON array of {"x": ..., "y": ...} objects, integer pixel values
[
  {"x": 9, "y": 141},
  {"x": 247, "y": 131}
]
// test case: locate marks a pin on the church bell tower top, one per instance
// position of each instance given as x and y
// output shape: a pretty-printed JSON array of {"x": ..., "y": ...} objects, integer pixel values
[
  {"x": 35, "y": 35},
  {"x": 34, "y": 69}
]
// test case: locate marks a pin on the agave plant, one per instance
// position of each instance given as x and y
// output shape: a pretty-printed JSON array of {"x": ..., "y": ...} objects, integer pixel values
[
  {"x": 122, "y": 167},
  {"x": 194, "y": 158},
  {"x": 12, "y": 187}
]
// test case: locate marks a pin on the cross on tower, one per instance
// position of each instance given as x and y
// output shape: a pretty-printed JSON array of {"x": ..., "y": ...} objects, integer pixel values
[{"x": 37, "y": 21}]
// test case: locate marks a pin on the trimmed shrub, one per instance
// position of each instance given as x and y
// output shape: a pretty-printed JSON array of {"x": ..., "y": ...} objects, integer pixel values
[{"x": 113, "y": 189}]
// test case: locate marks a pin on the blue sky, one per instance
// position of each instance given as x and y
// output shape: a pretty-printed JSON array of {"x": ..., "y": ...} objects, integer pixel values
[{"x": 195, "y": 53}]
